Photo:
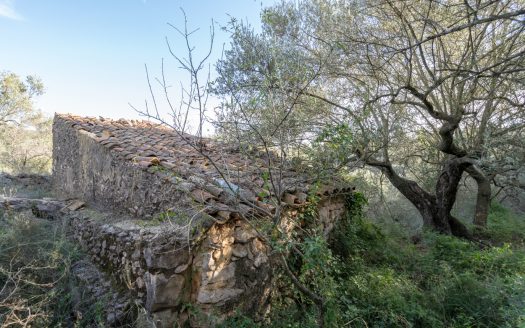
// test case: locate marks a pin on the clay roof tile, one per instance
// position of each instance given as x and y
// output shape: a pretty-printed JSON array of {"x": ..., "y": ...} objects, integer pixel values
[{"x": 147, "y": 144}]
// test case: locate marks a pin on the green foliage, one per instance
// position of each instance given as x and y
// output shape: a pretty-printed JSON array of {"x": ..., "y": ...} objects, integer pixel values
[
  {"x": 37, "y": 288},
  {"x": 371, "y": 279},
  {"x": 503, "y": 225},
  {"x": 26, "y": 149},
  {"x": 16, "y": 98},
  {"x": 330, "y": 147},
  {"x": 257, "y": 112},
  {"x": 35, "y": 260},
  {"x": 266, "y": 185},
  {"x": 25, "y": 133},
  {"x": 238, "y": 321},
  {"x": 164, "y": 216}
]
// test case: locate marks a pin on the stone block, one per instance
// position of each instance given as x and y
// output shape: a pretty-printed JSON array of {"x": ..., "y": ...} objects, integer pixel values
[
  {"x": 218, "y": 295},
  {"x": 165, "y": 259},
  {"x": 243, "y": 235},
  {"x": 163, "y": 292}
]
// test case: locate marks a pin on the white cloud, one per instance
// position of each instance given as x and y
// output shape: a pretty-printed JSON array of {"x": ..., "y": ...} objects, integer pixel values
[{"x": 7, "y": 10}]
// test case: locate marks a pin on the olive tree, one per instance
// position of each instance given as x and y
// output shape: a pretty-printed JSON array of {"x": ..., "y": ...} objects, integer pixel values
[
  {"x": 267, "y": 149},
  {"x": 16, "y": 98},
  {"x": 410, "y": 85},
  {"x": 25, "y": 133}
]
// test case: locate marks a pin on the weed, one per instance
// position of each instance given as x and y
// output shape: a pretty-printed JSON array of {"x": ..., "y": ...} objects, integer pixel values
[
  {"x": 371, "y": 279},
  {"x": 35, "y": 275}
]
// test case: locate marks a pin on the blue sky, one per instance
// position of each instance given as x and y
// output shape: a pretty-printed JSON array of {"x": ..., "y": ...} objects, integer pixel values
[{"x": 90, "y": 54}]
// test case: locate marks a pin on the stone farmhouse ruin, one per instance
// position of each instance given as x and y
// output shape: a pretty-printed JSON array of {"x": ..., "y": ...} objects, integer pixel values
[{"x": 180, "y": 230}]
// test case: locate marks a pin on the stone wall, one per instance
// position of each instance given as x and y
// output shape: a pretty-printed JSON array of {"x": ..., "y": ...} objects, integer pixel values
[
  {"x": 83, "y": 168},
  {"x": 145, "y": 170},
  {"x": 227, "y": 270},
  {"x": 330, "y": 210}
]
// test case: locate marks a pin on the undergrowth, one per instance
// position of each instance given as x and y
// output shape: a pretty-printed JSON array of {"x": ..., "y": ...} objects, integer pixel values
[
  {"x": 371, "y": 279},
  {"x": 367, "y": 277},
  {"x": 35, "y": 261}
]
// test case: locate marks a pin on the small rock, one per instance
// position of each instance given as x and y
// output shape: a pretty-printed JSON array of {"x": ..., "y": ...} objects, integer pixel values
[
  {"x": 181, "y": 268},
  {"x": 243, "y": 235},
  {"x": 239, "y": 250},
  {"x": 162, "y": 291},
  {"x": 136, "y": 254},
  {"x": 261, "y": 258},
  {"x": 111, "y": 318},
  {"x": 139, "y": 283}
]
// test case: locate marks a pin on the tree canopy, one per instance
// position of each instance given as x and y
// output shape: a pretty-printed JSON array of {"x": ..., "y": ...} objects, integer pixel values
[
  {"x": 427, "y": 92},
  {"x": 16, "y": 97},
  {"x": 25, "y": 133}
]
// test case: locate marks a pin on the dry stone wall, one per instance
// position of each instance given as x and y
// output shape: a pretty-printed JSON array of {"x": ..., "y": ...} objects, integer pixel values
[
  {"x": 330, "y": 210},
  {"x": 83, "y": 168},
  {"x": 228, "y": 269}
]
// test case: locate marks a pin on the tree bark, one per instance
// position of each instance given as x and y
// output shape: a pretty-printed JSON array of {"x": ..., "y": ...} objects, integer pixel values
[
  {"x": 483, "y": 196},
  {"x": 446, "y": 192},
  {"x": 434, "y": 209},
  {"x": 420, "y": 198}
]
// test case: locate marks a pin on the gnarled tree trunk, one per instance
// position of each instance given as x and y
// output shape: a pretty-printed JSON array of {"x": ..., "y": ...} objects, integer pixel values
[
  {"x": 483, "y": 195},
  {"x": 446, "y": 193},
  {"x": 434, "y": 209}
]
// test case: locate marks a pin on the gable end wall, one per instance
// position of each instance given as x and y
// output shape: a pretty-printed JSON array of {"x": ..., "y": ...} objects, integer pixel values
[{"x": 85, "y": 169}]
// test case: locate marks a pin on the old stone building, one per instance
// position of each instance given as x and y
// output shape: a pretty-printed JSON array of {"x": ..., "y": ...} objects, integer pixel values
[{"x": 183, "y": 213}]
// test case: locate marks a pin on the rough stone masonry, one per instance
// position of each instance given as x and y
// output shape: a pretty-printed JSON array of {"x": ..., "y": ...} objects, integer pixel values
[{"x": 180, "y": 230}]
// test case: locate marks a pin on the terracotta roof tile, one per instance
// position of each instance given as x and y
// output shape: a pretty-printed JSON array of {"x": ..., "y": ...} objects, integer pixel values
[{"x": 148, "y": 145}]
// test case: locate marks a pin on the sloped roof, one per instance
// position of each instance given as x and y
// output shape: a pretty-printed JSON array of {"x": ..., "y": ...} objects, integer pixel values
[{"x": 213, "y": 173}]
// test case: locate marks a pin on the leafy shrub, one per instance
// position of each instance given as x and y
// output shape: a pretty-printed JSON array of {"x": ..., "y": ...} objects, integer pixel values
[
  {"x": 371, "y": 279},
  {"x": 26, "y": 150}
]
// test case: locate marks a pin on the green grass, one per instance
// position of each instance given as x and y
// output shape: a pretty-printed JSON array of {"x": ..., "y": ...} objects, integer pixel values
[
  {"x": 380, "y": 280},
  {"x": 504, "y": 226},
  {"x": 369, "y": 278}
]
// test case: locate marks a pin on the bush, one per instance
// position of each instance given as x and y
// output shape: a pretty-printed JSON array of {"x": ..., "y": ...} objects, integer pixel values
[
  {"x": 368, "y": 278},
  {"x": 379, "y": 280},
  {"x": 35, "y": 259}
]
